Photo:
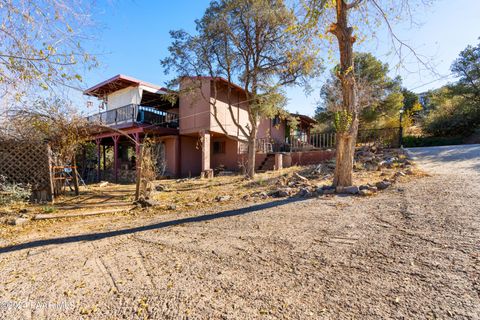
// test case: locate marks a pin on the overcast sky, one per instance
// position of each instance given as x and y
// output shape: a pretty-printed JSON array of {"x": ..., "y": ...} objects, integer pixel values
[{"x": 134, "y": 35}]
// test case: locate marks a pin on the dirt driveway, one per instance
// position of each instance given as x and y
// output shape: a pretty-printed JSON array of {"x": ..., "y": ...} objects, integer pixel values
[{"x": 412, "y": 252}]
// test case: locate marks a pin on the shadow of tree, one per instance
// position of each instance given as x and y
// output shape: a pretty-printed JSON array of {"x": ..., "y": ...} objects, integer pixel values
[{"x": 155, "y": 226}]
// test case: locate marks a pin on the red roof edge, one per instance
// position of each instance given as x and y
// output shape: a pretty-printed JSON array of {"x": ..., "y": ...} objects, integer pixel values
[{"x": 134, "y": 81}]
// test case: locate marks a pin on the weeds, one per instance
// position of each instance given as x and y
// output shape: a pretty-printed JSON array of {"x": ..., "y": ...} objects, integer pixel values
[{"x": 13, "y": 192}]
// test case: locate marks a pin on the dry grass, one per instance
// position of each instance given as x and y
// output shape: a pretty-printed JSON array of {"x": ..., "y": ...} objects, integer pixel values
[{"x": 185, "y": 195}]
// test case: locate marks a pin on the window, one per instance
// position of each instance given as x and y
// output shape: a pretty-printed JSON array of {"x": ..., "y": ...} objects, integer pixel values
[
  {"x": 276, "y": 121},
  {"x": 219, "y": 147}
]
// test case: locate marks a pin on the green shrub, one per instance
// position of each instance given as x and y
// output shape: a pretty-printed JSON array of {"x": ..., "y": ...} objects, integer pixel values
[{"x": 454, "y": 116}]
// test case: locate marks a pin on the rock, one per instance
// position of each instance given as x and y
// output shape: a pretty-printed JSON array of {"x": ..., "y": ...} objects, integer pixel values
[
  {"x": 365, "y": 192},
  {"x": 303, "y": 192},
  {"x": 103, "y": 184},
  {"x": 260, "y": 194},
  {"x": 281, "y": 193},
  {"x": 351, "y": 190},
  {"x": 171, "y": 207},
  {"x": 329, "y": 191},
  {"x": 373, "y": 189},
  {"x": 382, "y": 185},
  {"x": 364, "y": 187},
  {"x": 318, "y": 169},
  {"x": 223, "y": 198},
  {"x": 400, "y": 174},
  {"x": 300, "y": 177},
  {"x": 160, "y": 187},
  {"x": 391, "y": 160},
  {"x": 144, "y": 203},
  {"x": 18, "y": 221},
  {"x": 370, "y": 166}
]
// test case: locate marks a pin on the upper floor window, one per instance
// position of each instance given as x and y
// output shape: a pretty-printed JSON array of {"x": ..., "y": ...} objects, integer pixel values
[{"x": 276, "y": 121}]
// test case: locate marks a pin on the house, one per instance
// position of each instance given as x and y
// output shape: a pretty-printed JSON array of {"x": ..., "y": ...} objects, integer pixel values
[{"x": 196, "y": 133}]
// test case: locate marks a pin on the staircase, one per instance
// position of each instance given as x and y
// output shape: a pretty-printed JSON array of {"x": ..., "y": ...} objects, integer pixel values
[{"x": 268, "y": 163}]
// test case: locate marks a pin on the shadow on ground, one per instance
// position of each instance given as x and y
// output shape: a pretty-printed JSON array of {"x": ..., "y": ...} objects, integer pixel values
[{"x": 155, "y": 226}]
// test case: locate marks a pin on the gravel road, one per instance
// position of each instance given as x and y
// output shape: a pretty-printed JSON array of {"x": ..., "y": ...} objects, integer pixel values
[{"x": 412, "y": 252}]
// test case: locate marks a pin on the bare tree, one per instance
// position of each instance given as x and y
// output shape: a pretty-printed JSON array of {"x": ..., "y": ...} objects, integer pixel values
[
  {"x": 41, "y": 44},
  {"x": 337, "y": 15}
]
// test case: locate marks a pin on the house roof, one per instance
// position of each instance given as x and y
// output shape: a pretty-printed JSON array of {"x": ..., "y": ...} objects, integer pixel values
[
  {"x": 304, "y": 118},
  {"x": 119, "y": 82}
]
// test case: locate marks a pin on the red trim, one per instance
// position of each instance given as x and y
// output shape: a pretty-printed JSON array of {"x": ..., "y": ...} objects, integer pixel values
[
  {"x": 121, "y": 77},
  {"x": 140, "y": 129}
]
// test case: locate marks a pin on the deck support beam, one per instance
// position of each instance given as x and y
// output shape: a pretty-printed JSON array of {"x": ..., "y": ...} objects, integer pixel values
[
  {"x": 115, "y": 156},
  {"x": 98, "y": 141}
]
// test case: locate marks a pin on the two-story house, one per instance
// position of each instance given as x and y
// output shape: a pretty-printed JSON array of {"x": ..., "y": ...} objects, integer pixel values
[{"x": 196, "y": 133}]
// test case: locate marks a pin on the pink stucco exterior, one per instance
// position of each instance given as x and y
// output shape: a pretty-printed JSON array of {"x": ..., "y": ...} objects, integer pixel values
[
  {"x": 229, "y": 157},
  {"x": 206, "y": 135},
  {"x": 266, "y": 130},
  {"x": 200, "y": 100},
  {"x": 190, "y": 157}
]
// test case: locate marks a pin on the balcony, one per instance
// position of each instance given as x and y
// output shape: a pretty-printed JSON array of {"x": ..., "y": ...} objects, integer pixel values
[{"x": 136, "y": 114}]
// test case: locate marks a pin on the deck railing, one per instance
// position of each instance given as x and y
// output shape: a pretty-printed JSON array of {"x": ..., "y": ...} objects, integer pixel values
[
  {"x": 385, "y": 137},
  {"x": 134, "y": 113}
]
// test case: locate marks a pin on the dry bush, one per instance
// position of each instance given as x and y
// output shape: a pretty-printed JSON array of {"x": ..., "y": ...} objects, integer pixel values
[{"x": 13, "y": 192}]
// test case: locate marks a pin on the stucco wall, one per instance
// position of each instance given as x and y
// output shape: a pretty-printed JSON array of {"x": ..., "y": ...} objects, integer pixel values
[
  {"x": 191, "y": 157},
  {"x": 194, "y": 109},
  {"x": 267, "y": 130},
  {"x": 222, "y": 103},
  {"x": 229, "y": 159},
  {"x": 171, "y": 154},
  {"x": 310, "y": 157}
]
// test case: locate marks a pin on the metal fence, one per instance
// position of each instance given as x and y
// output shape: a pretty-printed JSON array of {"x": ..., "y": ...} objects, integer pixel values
[{"x": 384, "y": 137}]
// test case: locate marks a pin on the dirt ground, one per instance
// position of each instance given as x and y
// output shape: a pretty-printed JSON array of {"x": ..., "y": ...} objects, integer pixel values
[{"x": 411, "y": 252}]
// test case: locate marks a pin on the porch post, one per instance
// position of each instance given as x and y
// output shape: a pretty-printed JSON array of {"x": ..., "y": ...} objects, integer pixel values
[
  {"x": 98, "y": 141},
  {"x": 205, "y": 150},
  {"x": 115, "y": 155},
  {"x": 104, "y": 159},
  {"x": 178, "y": 154},
  {"x": 136, "y": 136}
]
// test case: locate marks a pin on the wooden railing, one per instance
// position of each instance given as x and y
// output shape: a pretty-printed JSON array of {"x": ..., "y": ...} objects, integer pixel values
[
  {"x": 386, "y": 137},
  {"x": 312, "y": 141},
  {"x": 134, "y": 113}
]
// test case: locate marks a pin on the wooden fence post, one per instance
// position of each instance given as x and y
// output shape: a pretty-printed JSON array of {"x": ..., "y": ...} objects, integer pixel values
[
  {"x": 51, "y": 175},
  {"x": 75, "y": 174},
  {"x": 139, "y": 171}
]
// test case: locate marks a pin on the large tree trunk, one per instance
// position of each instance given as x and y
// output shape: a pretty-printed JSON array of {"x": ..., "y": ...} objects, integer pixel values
[
  {"x": 252, "y": 146},
  {"x": 347, "y": 133}
]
